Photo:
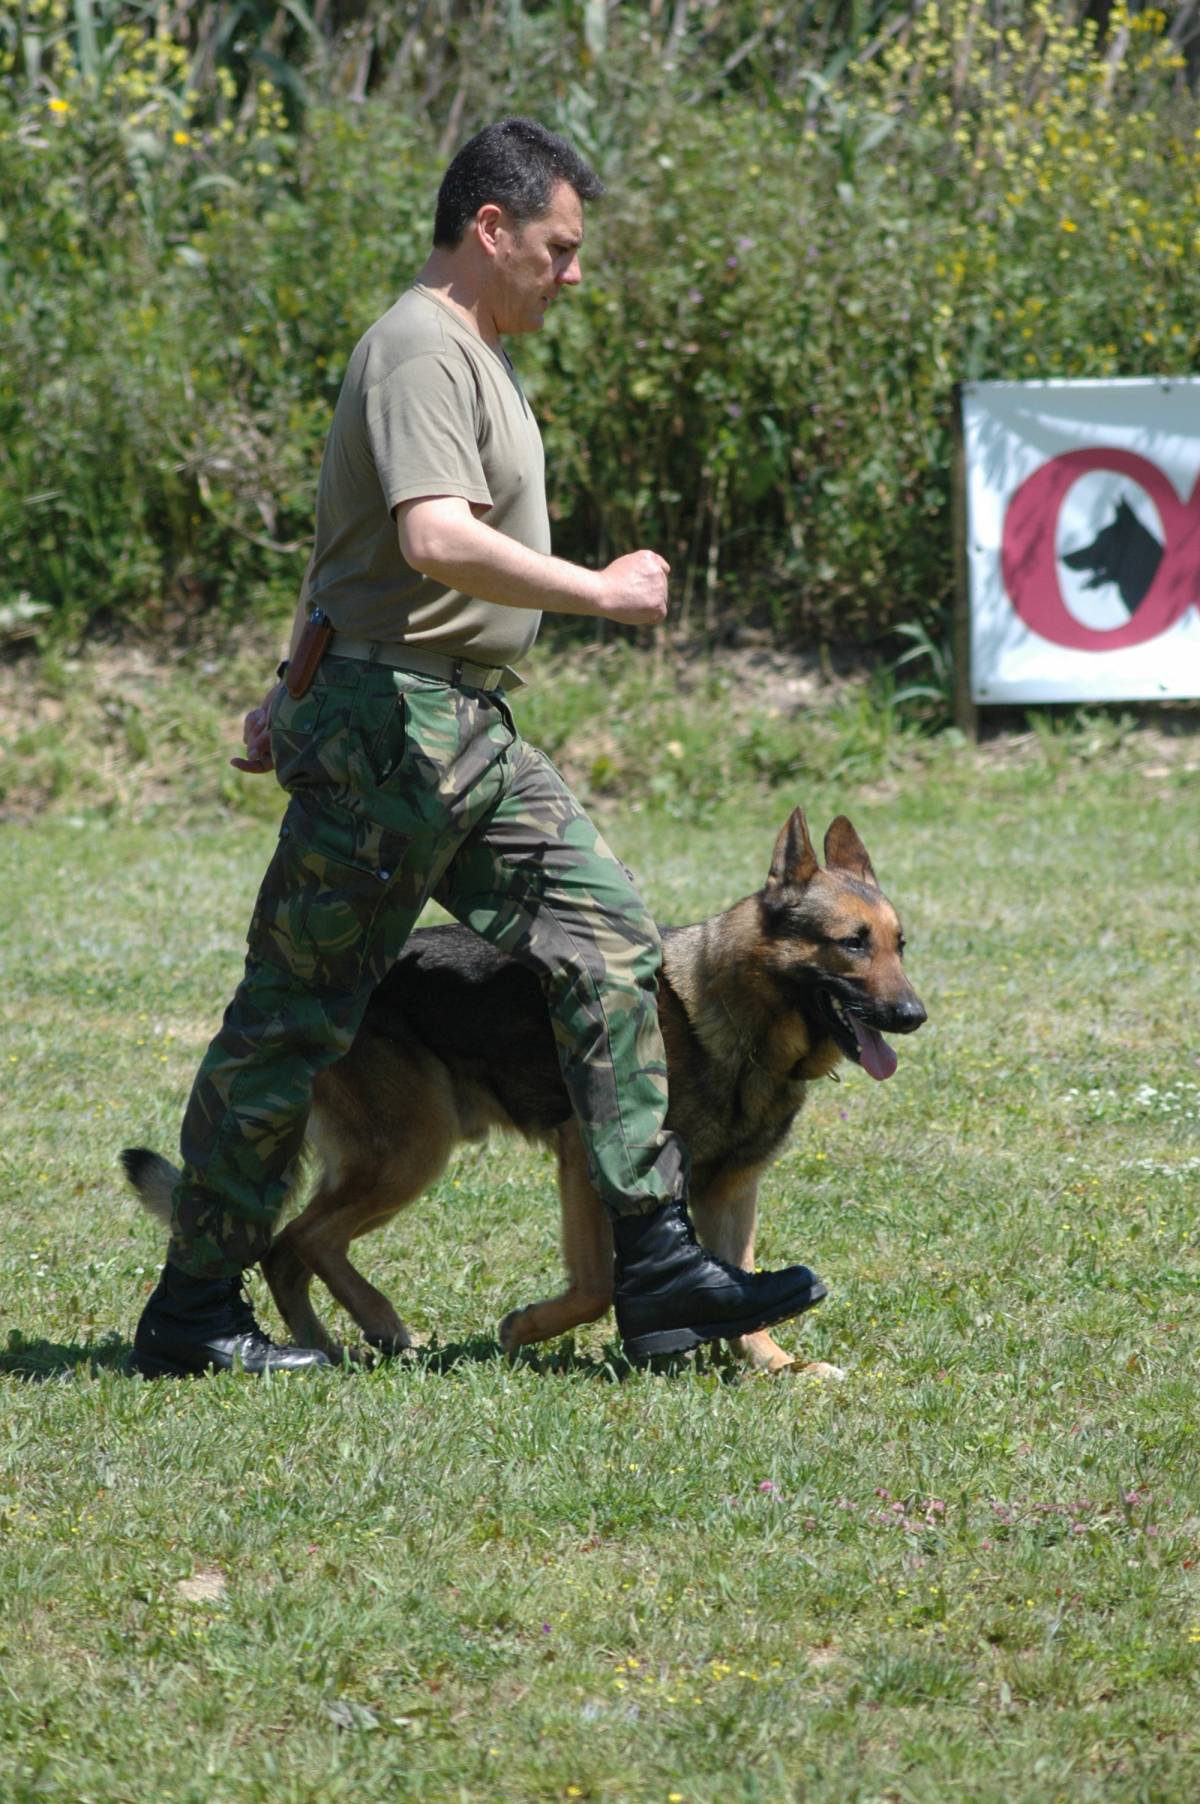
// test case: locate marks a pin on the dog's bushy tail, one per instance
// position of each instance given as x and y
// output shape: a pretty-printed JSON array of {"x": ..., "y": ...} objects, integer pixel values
[{"x": 152, "y": 1178}]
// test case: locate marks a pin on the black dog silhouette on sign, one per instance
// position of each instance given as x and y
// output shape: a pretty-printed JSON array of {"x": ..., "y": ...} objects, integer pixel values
[{"x": 1124, "y": 552}]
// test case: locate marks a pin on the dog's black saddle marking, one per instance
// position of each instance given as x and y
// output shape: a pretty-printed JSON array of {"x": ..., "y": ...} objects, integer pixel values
[{"x": 480, "y": 1011}]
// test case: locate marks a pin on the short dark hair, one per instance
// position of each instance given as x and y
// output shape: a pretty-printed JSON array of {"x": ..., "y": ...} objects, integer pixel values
[{"x": 516, "y": 164}]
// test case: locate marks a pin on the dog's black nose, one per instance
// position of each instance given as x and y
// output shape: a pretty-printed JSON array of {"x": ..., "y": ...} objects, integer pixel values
[{"x": 909, "y": 1016}]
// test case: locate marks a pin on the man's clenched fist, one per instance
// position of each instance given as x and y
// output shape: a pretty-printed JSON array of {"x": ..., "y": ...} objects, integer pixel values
[{"x": 635, "y": 589}]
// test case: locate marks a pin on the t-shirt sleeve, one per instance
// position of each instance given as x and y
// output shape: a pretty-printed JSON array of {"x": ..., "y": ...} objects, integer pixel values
[{"x": 421, "y": 427}]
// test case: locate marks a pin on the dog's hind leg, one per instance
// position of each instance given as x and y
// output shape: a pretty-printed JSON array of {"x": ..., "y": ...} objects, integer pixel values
[
  {"x": 364, "y": 1197},
  {"x": 726, "y": 1217},
  {"x": 318, "y": 1246},
  {"x": 587, "y": 1246},
  {"x": 288, "y": 1279},
  {"x": 287, "y": 1271},
  {"x": 383, "y": 1128},
  {"x": 314, "y": 1246}
]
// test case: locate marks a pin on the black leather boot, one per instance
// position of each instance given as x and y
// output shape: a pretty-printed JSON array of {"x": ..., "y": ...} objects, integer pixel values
[
  {"x": 670, "y": 1295},
  {"x": 192, "y": 1325}
]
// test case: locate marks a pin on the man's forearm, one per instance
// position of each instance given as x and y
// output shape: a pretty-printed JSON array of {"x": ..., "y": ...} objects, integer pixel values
[
  {"x": 465, "y": 554},
  {"x": 440, "y": 537}
]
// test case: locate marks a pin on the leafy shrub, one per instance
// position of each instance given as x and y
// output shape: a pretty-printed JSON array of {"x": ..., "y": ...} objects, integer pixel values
[
  {"x": 788, "y": 296},
  {"x": 802, "y": 251}
]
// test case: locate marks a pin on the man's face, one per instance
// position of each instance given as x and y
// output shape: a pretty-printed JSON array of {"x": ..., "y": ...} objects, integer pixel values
[{"x": 535, "y": 260}]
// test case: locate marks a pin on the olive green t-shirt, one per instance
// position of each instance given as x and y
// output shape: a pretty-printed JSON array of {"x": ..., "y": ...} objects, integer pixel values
[{"x": 426, "y": 408}]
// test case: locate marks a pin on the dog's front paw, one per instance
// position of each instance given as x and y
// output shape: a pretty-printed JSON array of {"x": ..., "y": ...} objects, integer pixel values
[
  {"x": 762, "y": 1354},
  {"x": 819, "y": 1368}
]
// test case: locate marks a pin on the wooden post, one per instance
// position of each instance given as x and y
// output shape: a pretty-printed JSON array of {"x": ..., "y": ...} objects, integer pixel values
[{"x": 966, "y": 714}]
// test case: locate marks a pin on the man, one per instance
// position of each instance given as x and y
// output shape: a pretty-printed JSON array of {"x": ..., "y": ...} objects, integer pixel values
[{"x": 408, "y": 779}]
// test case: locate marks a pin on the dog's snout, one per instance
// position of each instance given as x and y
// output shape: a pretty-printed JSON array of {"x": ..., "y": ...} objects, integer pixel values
[{"x": 909, "y": 1015}]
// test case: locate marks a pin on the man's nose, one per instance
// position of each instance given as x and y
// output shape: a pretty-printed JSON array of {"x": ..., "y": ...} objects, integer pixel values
[{"x": 572, "y": 275}]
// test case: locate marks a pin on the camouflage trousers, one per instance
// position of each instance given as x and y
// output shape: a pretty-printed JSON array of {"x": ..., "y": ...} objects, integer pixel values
[{"x": 405, "y": 788}]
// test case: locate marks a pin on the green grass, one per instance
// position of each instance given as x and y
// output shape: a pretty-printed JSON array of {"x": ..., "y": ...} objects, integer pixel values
[{"x": 967, "y": 1572}]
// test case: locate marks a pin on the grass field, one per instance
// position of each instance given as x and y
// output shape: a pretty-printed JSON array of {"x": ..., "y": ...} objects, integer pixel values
[{"x": 967, "y": 1572}]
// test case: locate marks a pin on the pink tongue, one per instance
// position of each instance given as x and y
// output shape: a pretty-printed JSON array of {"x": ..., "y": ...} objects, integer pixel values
[{"x": 876, "y": 1055}]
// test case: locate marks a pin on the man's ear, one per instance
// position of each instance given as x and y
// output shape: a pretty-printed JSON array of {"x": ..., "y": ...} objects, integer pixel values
[
  {"x": 487, "y": 222},
  {"x": 794, "y": 863},
  {"x": 844, "y": 851}
]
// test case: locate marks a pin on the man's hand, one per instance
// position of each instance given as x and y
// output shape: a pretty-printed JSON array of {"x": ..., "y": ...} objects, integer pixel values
[
  {"x": 256, "y": 735},
  {"x": 635, "y": 589}
]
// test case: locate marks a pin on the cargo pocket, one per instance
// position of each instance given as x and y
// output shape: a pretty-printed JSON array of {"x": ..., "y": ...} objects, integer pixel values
[
  {"x": 315, "y": 914},
  {"x": 296, "y": 739},
  {"x": 384, "y": 737}
]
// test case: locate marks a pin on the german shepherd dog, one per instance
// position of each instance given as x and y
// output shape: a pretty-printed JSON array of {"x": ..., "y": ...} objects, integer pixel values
[{"x": 755, "y": 1004}]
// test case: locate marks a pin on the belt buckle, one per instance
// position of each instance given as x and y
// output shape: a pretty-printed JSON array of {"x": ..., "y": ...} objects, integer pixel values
[{"x": 456, "y": 672}]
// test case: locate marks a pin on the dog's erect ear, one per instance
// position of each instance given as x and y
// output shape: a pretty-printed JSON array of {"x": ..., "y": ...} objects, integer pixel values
[
  {"x": 794, "y": 862},
  {"x": 844, "y": 851}
]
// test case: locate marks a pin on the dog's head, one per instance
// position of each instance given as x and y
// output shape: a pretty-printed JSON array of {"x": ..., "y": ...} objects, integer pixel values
[
  {"x": 1124, "y": 552},
  {"x": 834, "y": 947}
]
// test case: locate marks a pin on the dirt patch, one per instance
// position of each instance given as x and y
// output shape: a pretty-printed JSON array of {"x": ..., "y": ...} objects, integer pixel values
[{"x": 206, "y": 1586}]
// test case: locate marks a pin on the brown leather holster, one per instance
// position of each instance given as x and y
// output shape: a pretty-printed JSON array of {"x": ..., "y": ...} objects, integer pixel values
[{"x": 318, "y": 631}]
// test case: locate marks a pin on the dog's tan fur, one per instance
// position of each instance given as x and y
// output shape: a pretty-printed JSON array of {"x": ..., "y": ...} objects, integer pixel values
[{"x": 743, "y": 1042}]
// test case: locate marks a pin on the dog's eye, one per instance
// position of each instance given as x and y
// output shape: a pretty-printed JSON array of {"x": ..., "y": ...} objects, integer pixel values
[{"x": 857, "y": 942}]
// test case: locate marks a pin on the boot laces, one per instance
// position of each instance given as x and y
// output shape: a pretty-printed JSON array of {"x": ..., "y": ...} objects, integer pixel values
[
  {"x": 737, "y": 1272},
  {"x": 241, "y": 1311}
]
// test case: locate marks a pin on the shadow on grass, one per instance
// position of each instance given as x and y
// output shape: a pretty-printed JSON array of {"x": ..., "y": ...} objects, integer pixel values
[
  {"x": 38, "y": 1360},
  {"x": 562, "y": 1360},
  {"x": 611, "y": 1367}
]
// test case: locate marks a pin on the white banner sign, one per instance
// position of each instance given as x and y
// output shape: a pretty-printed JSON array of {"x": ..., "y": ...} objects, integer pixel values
[{"x": 1083, "y": 539}]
